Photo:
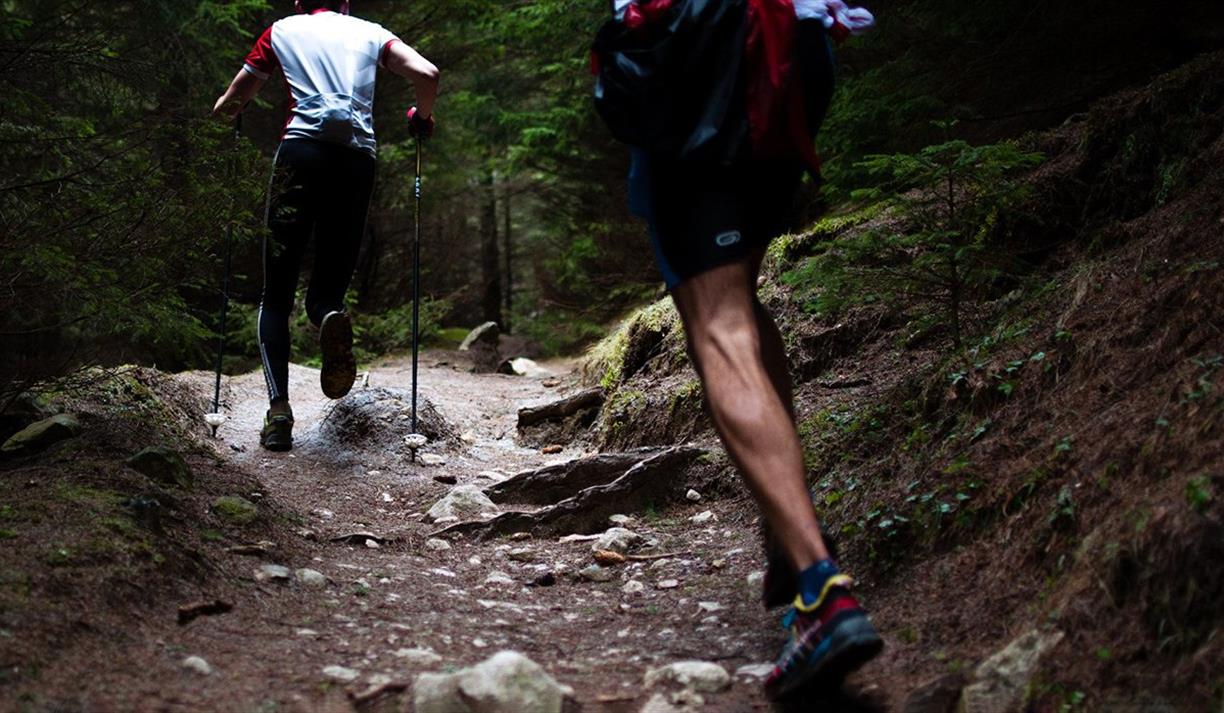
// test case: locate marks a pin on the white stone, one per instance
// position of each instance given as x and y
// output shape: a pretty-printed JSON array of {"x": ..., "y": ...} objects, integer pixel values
[
  {"x": 756, "y": 577},
  {"x": 198, "y": 665},
  {"x": 461, "y": 501},
  {"x": 306, "y": 632},
  {"x": 668, "y": 584},
  {"x": 702, "y": 518},
  {"x": 273, "y": 573},
  {"x": 340, "y": 674},
  {"x": 692, "y": 496},
  {"x": 418, "y": 658},
  {"x": 633, "y": 586},
  {"x": 499, "y": 578},
  {"x": 620, "y": 520},
  {"x": 437, "y": 544},
  {"x": 701, "y": 676},
  {"x": 617, "y": 539},
  {"x": 431, "y": 459},
  {"x": 311, "y": 578},
  {"x": 709, "y": 607},
  {"x": 508, "y": 682}
]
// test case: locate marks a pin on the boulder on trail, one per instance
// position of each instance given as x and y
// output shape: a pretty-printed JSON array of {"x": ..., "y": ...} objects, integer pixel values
[
  {"x": 380, "y": 419},
  {"x": 462, "y": 501},
  {"x": 550, "y": 484},
  {"x": 42, "y": 435},
  {"x": 509, "y": 682},
  {"x": 162, "y": 465}
]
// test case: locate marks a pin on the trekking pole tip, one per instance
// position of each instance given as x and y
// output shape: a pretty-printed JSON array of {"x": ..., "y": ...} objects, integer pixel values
[{"x": 214, "y": 421}]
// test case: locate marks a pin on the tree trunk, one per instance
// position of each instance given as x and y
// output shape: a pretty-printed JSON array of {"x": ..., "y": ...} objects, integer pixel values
[
  {"x": 508, "y": 237},
  {"x": 490, "y": 259}
]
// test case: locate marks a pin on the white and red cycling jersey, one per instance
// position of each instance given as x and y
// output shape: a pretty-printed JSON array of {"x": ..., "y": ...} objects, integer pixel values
[{"x": 330, "y": 62}]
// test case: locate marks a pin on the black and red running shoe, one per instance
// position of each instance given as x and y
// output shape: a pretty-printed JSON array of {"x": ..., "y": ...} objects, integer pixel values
[{"x": 829, "y": 640}]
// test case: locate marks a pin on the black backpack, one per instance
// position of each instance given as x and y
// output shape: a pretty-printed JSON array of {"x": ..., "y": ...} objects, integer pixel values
[{"x": 675, "y": 85}]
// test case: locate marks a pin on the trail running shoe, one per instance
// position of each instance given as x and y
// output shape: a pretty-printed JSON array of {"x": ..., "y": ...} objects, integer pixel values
[
  {"x": 339, "y": 366},
  {"x": 277, "y": 433},
  {"x": 828, "y": 640}
]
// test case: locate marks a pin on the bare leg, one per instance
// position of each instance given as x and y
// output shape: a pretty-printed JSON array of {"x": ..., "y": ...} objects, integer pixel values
[
  {"x": 749, "y": 405},
  {"x": 773, "y": 348}
]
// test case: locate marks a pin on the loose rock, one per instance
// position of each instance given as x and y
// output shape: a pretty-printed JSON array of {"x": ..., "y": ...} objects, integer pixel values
[
  {"x": 431, "y": 459},
  {"x": 340, "y": 674},
  {"x": 701, "y": 676},
  {"x": 273, "y": 573},
  {"x": 418, "y": 658},
  {"x": 668, "y": 584},
  {"x": 311, "y": 578},
  {"x": 437, "y": 544},
  {"x": 702, "y": 518},
  {"x": 618, "y": 540},
  {"x": 595, "y": 573},
  {"x": 461, "y": 501},
  {"x": 633, "y": 587},
  {"x": 509, "y": 682},
  {"x": 754, "y": 670},
  {"x": 198, "y": 665},
  {"x": 692, "y": 496}
]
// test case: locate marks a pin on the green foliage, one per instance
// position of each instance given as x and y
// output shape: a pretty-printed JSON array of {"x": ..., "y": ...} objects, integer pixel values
[{"x": 940, "y": 251}]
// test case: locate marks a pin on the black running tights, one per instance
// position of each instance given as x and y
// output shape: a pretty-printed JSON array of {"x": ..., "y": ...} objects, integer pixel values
[{"x": 318, "y": 190}]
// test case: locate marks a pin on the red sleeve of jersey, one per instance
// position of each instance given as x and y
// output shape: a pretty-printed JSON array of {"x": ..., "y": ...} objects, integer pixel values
[
  {"x": 382, "y": 54},
  {"x": 262, "y": 61}
]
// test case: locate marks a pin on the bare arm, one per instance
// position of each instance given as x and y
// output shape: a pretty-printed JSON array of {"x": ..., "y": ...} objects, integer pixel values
[
  {"x": 241, "y": 91},
  {"x": 408, "y": 63}
]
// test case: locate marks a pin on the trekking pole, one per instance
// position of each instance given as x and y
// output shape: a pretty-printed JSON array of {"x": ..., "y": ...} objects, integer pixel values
[
  {"x": 217, "y": 418},
  {"x": 416, "y": 439}
]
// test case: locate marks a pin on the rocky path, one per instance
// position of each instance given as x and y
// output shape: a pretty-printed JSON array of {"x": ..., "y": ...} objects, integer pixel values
[{"x": 381, "y": 615}]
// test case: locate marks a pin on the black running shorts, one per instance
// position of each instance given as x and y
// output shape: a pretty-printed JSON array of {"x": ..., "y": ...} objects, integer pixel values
[{"x": 702, "y": 216}]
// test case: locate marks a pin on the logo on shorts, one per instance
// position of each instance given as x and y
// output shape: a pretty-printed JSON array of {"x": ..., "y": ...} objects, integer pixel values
[{"x": 727, "y": 239}]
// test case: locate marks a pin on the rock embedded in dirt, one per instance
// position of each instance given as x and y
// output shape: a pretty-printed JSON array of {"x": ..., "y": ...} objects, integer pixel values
[
  {"x": 668, "y": 584},
  {"x": 446, "y": 479},
  {"x": 42, "y": 435},
  {"x": 633, "y": 586},
  {"x": 431, "y": 459},
  {"x": 162, "y": 465},
  {"x": 376, "y": 420},
  {"x": 1002, "y": 682},
  {"x": 522, "y": 554},
  {"x": 195, "y": 664},
  {"x": 755, "y": 578},
  {"x": 508, "y": 682},
  {"x": 700, "y": 676},
  {"x": 311, "y": 578},
  {"x": 235, "y": 510},
  {"x": 658, "y": 703},
  {"x": 340, "y": 674},
  {"x": 618, "y": 540},
  {"x": 703, "y": 518},
  {"x": 461, "y": 501}
]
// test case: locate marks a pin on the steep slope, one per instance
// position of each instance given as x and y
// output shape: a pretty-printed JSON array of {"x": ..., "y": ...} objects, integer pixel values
[{"x": 1065, "y": 470}]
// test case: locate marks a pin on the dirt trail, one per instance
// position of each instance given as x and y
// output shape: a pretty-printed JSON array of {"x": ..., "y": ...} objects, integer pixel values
[{"x": 270, "y": 652}]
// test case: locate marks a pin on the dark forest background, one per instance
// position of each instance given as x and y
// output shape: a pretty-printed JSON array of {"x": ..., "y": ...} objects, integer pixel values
[{"x": 117, "y": 190}]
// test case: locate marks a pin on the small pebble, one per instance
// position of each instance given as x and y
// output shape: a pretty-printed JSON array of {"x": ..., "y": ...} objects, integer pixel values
[{"x": 197, "y": 665}]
